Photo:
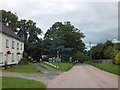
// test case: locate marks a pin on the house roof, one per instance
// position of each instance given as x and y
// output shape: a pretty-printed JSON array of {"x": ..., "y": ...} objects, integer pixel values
[{"x": 9, "y": 32}]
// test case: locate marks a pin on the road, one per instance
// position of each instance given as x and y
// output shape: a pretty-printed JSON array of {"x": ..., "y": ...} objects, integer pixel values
[{"x": 84, "y": 76}]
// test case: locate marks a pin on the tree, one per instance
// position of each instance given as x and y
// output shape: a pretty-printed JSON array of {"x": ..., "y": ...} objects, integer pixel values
[
  {"x": 27, "y": 31},
  {"x": 80, "y": 56},
  {"x": 64, "y": 38},
  {"x": 9, "y": 19},
  {"x": 107, "y": 50},
  {"x": 117, "y": 58},
  {"x": 22, "y": 29},
  {"x": 97, "y": 51},
  {"x": 108, "y": 53}
]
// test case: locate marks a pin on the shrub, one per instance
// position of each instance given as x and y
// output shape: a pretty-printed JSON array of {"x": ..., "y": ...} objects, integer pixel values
[
  {"x": 81, "y": 56},
  {"x": 117, "y": 58},
  {"x": 45, "y": 59},
  {"x": 24, "y": 54},
  {"x": 23, "y": 61}
]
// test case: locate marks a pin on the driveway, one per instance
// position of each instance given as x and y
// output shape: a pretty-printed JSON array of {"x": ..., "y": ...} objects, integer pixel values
[
  {"x": 84, "y": 76},
  {"x": 48, "y": 75}
]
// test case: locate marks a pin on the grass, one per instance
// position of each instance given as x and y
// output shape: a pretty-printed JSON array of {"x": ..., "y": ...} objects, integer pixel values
[
  {"x": 62, "y": 66},
  {"x": 112, "y": 68},
  {"x": 12, "y": 82},
  {"x": 41, "y": 65},
  {"x": 29, "y": 68}
]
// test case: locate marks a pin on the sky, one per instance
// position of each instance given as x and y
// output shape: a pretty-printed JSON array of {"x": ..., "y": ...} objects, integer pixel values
[{"x": 97, "y": 19}]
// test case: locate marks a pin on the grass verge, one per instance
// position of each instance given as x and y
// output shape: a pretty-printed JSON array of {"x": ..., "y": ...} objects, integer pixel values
[
  {"x": 41, "y": 65},
  {"x": 61, "y": 66},
  {"x": 111, "y": 68},
  {"x": 12, "y": 82},
  {"x": 29, "y": 68}
]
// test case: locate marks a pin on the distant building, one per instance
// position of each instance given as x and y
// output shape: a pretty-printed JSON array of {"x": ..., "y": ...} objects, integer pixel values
[{"x": 11, "y": 46}]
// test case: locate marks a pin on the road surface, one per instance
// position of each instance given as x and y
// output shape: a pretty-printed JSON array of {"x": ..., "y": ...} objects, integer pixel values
[{"x": 84, "y": 76}]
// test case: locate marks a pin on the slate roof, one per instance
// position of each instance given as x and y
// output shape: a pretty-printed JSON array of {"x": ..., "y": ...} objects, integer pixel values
[{"x": 7, "y": 31}]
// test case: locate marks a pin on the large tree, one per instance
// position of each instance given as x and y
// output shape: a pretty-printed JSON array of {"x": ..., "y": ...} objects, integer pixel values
[
  {"x": 106, "y": 50},
  {"x": 9, "y": 19},
  {"x": 27, "y": 31},
  {"x": 65, "y": 38}
]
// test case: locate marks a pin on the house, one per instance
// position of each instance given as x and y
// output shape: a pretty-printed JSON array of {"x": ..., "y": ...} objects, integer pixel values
[{"x": 11, "y": 46}]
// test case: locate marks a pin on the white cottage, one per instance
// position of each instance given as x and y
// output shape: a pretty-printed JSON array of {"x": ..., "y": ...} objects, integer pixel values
[{"x": 11, "y": 46}]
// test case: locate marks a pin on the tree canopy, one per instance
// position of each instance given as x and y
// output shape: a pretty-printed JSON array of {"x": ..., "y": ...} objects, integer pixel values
[
  {"x": 65, "y": 38},
  {"x": 62, "y": 37},
  {"x": 106, "y": 50},
  {"x": 27, "y": 31},
  {"x": 9, "y": 19}
]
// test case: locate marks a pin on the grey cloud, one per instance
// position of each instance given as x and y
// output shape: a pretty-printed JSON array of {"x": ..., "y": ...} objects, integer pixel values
[{"x": 97, "y": 20}]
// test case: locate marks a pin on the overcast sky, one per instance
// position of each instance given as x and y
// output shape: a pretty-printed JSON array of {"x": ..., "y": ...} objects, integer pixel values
[{"x": 98, "y": 20}]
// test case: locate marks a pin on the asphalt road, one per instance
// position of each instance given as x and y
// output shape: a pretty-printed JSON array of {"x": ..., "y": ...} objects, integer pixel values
[{"x": 84, "y": 76}]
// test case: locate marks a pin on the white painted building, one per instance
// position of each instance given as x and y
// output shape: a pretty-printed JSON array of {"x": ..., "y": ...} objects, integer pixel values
[{"x": 11, "y": 46}]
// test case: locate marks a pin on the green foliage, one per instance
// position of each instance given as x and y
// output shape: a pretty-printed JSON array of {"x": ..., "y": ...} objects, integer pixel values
[
  {"x": 108, "y": 53},
  {"x": 12, "y": 82},
  {"x": 81, "y": 56},
  {"x": 24, "y": 54},
  {"x": 23, "y": 61},
  {"x": 117, "y": 58},
  {"x": 27, "y": 31},
  {"x": 97, "y": 51},
  {"x": 64, "y": 38},
  {"x": 107, "y": 50},
  {"x": 9, "y": 18},
  {"x": 45, "y": 59}
]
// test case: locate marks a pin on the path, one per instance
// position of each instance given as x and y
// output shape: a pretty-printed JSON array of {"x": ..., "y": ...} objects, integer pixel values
[
  {"x": 84, "y": 76},
  {"x": 46, "y": 77}
]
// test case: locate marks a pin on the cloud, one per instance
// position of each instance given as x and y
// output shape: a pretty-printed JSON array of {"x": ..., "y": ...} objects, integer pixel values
[{"x": 97, "y": 19}]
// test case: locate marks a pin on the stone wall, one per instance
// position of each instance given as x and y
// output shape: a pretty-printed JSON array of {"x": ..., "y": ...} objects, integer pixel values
[{"x": 107, "y": 61}]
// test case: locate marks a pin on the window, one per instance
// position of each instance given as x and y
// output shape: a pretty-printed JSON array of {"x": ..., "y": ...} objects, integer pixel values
[
  {"x": 21, "y": 46},
  {"x": 12, "y": 44},
  {"x": 17, "y": 46},
  {"x": 12, "y": 57},
  {"x": 7, "y": 43}
]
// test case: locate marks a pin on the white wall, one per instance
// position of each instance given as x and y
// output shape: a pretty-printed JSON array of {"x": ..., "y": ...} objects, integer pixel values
[
  {"x": 0, "y": 42},
  {"x": 15, "y": 51},
  {"x": 0, "y": 37},
  {"x": 0, "y": 49}
]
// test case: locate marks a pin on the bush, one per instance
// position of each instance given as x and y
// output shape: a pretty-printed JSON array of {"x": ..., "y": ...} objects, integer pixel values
[
  {"x": 81, "y": 57},
  {"x": 24, "y": 54},
  {"x": 117, "y": 58},
  {"x": 45, "y": 59},
  {"x": 23, "y": 61}
]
